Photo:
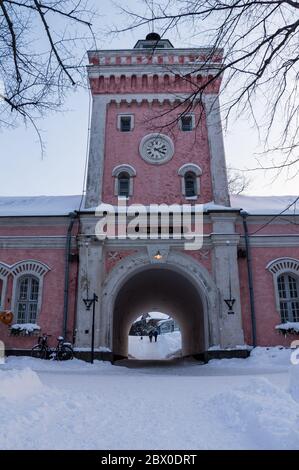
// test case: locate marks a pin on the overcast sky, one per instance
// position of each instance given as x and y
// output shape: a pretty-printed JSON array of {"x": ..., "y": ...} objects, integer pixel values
[{"x": 60, "y": 171}]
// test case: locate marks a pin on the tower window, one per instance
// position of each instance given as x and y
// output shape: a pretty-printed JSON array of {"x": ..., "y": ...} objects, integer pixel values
[
  {"x": 190, "y": 184},
  {"x": 125, "y": 123},
  {"x": 190, "y": 174},
  {"x": 123, "y": 180},
  {"x": 124, "y": 184},
  {"x": 187, "y": 122}
]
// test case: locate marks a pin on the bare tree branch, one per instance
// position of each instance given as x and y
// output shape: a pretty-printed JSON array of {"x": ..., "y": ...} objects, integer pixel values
[
  {"x": 38, "y": 62},
  {"x": 260, "y": 63}
]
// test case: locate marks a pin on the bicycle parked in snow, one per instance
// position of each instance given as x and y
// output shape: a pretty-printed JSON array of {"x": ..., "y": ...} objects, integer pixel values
[{"x": 62, "y": 352}]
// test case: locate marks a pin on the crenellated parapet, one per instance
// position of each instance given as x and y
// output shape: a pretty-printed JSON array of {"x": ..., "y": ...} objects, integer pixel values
[{"x": 148, "y": 71}]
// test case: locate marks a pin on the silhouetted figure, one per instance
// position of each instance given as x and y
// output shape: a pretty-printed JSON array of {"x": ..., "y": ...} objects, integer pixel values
[
  {"x": 150, "y": 335},
  {"x": 155, "y": 335}
]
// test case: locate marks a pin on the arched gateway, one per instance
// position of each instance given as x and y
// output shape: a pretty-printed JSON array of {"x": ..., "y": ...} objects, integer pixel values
[{"x": 178, "y": 286}]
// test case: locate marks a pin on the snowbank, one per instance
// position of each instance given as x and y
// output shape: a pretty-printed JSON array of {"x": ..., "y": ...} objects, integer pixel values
[
  {"x": 294, "y": 382},
  {"x": 17, "y": 385},
  {"x": 260, "y": 357},
  {"x": 189, "y": 407},
  {"x": 260, "y": 413},
  {"x": 167, "y": 345}
]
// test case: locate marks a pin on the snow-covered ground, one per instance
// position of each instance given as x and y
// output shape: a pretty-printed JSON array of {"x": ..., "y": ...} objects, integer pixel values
[
  {"x": 167, "y": 345},
  {"x": 230, "y": 404}
]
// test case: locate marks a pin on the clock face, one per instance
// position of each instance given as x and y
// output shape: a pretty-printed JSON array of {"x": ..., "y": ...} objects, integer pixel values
[{"x": 156, "y": 148}]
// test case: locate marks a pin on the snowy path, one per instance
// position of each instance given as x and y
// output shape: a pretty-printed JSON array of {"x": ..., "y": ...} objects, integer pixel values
[
  {"x": 166, "y": 345},
  {"x": 231, "y": 404}
]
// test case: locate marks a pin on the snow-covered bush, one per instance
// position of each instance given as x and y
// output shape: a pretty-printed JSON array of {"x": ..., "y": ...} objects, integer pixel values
[
  {"x": 24, "y": 329},
  {"x": 291, "y": 328}
]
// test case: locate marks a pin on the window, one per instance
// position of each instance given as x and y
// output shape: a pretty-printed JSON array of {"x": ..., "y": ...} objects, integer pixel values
[
  {"x": 190, "y": 184},
  {"x": 187, "y": 122},
  {"x": 125, "y": 122},
  {"x": 27, "y": 299},
  {"x": 190, "y": 174},
  {"x": 288, "y": 291},
  {"x": 123, "y": 175},
  {"x": 124, "y": 184}
]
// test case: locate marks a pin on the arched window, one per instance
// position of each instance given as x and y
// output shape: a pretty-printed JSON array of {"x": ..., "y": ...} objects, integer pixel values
[
  {"x": 288, "y": 291},
  {"x": 190, "y": 184},
  {"x": 190, "y": 177},
  {"x": 28, "y": 277},
  {"x": 27, "y": 299},
  {"x": 123, "y": 175},
  {"x": 124, "y": 184}
]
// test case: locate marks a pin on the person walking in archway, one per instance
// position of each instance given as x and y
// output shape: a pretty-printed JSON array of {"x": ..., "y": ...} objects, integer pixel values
[
  {"x": 155, "y": 335},
  {"x": 150, "y": 335}
]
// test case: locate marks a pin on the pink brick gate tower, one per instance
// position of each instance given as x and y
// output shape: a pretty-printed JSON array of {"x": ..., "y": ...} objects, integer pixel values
[{"x": 153, "y": 141}]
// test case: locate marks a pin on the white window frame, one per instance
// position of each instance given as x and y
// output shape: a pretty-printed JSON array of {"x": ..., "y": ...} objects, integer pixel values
[
  {"x": 192, "y": 115},
  {"x": 26, "y": 301},
  {"x": 190, "y": 168},
  {"x": 124, "y": 168},
  {"x": 32, "y": 268},
  {"x": 119, "y": 116},
  {"x": 282, "y": 266}
]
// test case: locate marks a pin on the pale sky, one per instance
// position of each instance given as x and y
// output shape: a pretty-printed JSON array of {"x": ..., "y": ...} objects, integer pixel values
[{"x": 60, "y": 172}]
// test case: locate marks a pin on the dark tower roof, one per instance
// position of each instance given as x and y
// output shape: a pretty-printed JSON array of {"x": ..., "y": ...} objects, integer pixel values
[{"x": 153, "y": 41}]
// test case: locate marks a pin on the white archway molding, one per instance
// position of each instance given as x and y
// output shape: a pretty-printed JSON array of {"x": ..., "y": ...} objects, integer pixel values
[
  {"x": 190, "y": 167},
  {"x": 183, "y": 264},
  {"x": 125, "y": 167},
  {"x": 282, "y": 265}
]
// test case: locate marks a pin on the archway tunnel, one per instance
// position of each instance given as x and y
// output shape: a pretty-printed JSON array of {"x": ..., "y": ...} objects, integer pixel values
[{"x": 164, "y": 290}]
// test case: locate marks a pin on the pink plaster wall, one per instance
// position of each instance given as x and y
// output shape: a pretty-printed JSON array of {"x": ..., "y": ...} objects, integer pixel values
[
  {"x": 155, "y": 183},
  {"x": 113, "y": 257},
  {"x": 50, "y": 318},
  {"x": 202, "y": 257},
  {"x": 267, "y": 316}
]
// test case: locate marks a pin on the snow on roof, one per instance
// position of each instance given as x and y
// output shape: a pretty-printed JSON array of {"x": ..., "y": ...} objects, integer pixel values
[
  {"x": 38, "y": 205},
  {"x": 154, "y": 316},
  {"x": 264, "y": 205},
  {"x": 63, "y": 205}
]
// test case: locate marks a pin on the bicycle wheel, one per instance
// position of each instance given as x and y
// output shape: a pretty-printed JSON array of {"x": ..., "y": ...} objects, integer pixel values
[
  {"x": 39, "y": 352},
  {"x": 65, "y": 353}
]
